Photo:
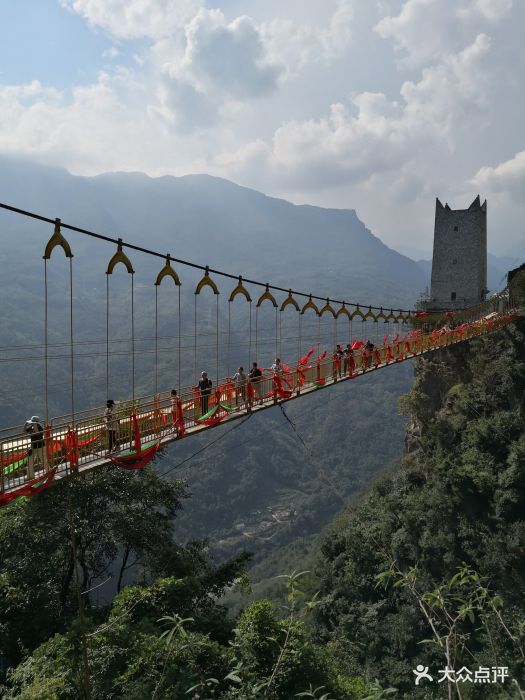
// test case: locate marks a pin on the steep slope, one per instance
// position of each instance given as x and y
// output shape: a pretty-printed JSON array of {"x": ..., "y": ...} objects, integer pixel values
[{"x": 456, "y": 499}]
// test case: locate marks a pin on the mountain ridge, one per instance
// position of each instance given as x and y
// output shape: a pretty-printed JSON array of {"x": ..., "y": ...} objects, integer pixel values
[{"x": 205, "y": 214}]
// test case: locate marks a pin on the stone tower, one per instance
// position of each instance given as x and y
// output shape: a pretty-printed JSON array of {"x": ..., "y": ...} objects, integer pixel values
[{"x": 459, "y": 260}]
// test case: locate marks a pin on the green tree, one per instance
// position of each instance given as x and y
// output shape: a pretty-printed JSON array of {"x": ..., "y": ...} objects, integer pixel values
[
  {"x": 123, "y": 525},
  {"x": 457, "y": 497}
]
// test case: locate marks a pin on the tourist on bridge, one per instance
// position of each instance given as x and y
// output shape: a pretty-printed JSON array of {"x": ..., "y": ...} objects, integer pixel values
[
  {"x": 367, "y": 353},
  {"x": 277, "y": 367},
  {"x": 347, "y": 354},
  {"x": 255, "y": 376},
  {"x": 173, "y": 400},
  {"x": 204, "y": 387},
  {"x": 37, "y": 451},
  {"x": 337, "y": 357},
  {"x": 240, "y": 380},
  {"x": 112, "y": 424}
]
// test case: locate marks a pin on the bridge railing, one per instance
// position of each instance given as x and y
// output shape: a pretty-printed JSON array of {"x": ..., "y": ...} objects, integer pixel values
[{"x": 74, "y": 442}]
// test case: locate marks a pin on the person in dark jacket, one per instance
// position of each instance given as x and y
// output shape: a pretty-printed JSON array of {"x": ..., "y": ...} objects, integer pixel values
[
  {"x": 112, "y": 425},
  {"x": 204, "y": 386},
  {"x": 367, "y": 353},
  {"x": 37, "y": 451},
  {"x": 255, "y": 377},
  {"x": 347, "y": 354}
]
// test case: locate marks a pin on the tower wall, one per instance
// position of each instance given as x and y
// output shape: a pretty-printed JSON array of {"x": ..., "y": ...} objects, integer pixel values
[{"x": 459, "y": 260}]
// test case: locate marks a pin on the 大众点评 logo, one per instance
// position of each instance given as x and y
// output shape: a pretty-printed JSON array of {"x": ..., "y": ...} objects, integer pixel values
[{"x": 483, "y": 674}]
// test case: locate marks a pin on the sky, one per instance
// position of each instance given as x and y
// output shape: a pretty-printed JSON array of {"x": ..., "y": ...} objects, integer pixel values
[{"x": 374, "y": 105}]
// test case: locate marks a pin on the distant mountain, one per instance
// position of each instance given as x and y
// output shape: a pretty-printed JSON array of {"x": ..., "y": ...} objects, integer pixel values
[
  {"x": 517, "y": 251},
  {"x": 213, "y": 221}
]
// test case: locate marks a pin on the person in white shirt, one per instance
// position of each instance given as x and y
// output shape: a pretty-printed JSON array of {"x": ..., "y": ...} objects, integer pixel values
[
  {"x": 240, "y": 380},
  {"x": 277, "y": 367}
]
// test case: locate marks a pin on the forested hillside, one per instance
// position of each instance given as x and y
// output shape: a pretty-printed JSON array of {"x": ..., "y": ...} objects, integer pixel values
[{"x": 455, "y": 501}]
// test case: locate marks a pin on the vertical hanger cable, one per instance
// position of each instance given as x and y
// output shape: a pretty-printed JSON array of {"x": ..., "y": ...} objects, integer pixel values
[
  {"x": 71, "y": 341},
  {"x": 46, "y": 343}
]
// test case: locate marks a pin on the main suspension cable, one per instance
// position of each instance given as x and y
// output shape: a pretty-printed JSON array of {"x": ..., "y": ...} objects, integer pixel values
[{"x": 187, "y": 263}]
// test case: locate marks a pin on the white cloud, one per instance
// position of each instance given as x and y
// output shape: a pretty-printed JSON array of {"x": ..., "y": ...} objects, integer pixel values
[
  {"x": 375, "y": 134},
  {"x": 420, "y": 30},
  {"x": 301, "y": 101},
  {"x": 424, "y": 30},
  {"x": 320, "y": 154},
  {"x": 240, "y": 60},
  {"x": 133, "y": 19},
  {"x": 493, "y": 9},
  {"x": 112, "y": 52},
  {"x": 91, "y": 128},
  {"x": 451, "y": 91},
  {"x": 507, "y": 178},
  {"x": 226, "y": 57},
  {"x": 297, "y": 44},
  {"x": 201, "y": 66},
  {"x": 183, "y": 108},
  {"x": 287, "y": 41},
  {"x": 206, "y": 72},
  {"x": 24, "y": 110}
]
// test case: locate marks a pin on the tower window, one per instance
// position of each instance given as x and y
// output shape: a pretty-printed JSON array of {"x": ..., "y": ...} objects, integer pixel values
[
  {"x": 456, "y": 228},
  {"x": 452, "y": 296},
  {"x": 455, "y": 261}
]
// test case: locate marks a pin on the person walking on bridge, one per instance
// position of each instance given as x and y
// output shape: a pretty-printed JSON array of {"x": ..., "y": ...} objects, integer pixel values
[
  {"x": 37, "y": 451},
  {"x": 277, "y": 367},
  {"x": 204, "y": 387},
  {"x": 255, "y": 376},
  {"x": 337, "y": 361},
  {"x": 112, "y": 424},
  {"x": 348, "y": 354},
  {"x": 240, "y": 380},
  {"x": 368, "y": 352}
]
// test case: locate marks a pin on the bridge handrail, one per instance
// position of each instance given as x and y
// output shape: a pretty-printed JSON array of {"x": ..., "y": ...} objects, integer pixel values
[{"x": 156, "y": 417}]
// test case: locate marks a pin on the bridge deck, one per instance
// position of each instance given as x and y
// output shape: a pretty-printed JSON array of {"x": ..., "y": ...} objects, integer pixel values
[{"x": 156, "y": 426}]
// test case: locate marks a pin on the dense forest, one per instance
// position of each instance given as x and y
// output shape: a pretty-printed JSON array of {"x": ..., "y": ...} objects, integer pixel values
[{"x": 425, "y": 569}]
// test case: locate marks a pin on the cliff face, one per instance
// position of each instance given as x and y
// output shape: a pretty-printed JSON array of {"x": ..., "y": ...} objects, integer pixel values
[
  {"x": 463, "y": 383},
  {"x": 457, "y": 497},
  {"x": 434, "y": 377}
]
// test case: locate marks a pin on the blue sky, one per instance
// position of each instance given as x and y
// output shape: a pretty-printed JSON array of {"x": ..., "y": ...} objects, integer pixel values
[
  {"x": 377, "y": 105},
  {"x": 39, "y": 40}
]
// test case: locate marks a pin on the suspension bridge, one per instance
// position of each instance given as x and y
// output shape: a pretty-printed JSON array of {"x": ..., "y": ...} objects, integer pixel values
[{"x": 129, "y": 434}]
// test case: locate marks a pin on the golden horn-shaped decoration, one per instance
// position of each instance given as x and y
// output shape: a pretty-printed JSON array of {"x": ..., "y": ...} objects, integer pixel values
[
  {"x": 206, "y": 281},
  {"x": 57, "y": 239},
  {"x": 359, "y": 313},
  {"x": 370, "y": 314},
  {"x": 290, "y": 301},
  {"x": 120, "y": 257},
  {"x": 310, "y": 305},
  {"x": 391, "y": 316},
  {"x": 267, "y": 296},
  {"x": 343, "y": 311},
  {"x": 240, "y": 289},
  {"x": 382, "y": 315},
  {"x": 167, "y": 271},
  {"x": 328, "y": 307}
]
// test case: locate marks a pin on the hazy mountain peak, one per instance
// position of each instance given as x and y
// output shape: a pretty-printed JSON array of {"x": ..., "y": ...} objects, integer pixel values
[{"x": 213, "y": 221}]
